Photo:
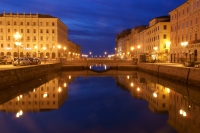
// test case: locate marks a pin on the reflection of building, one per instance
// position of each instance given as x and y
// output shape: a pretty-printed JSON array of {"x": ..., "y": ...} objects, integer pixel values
[
  {"x": 155, "y": 94},
  {"x": 50, "y": 95},
  {"x": 41, "y": 36},
  {"x": 157, "y": 97},
  {"x": 184, "y": 112}
]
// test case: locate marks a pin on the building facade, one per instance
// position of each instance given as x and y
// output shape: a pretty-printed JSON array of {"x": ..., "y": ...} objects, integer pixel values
[
  {"x": 42, "y": 36},
  {"x": 157, "y": 39},
  {"x": 185, "y": 37}
]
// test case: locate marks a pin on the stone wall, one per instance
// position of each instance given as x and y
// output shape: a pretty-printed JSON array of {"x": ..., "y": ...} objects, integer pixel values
[
  {"x": 188, "y": 75},
  {"x": 15, "y": 76}
]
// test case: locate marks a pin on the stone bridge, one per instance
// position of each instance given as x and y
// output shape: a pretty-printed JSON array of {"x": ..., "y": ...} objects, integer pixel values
[{"x": 93, "y": 61}]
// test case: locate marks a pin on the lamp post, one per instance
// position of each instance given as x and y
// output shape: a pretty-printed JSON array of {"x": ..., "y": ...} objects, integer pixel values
[
  {"x": 64, "y": 51},
  {"x": 44, "y": 48},
  {"x": 59, "y": 47},
  {"x": 105, "y": 53},
  {"x": 17, "y": 36},
  {"x": 184, "y": 45},
  {"x": 35, "y": 47},
  {"x": 138, "y": 47},
  {"x": 155, "y": 48},
  {"x": 132, "y": 48}
]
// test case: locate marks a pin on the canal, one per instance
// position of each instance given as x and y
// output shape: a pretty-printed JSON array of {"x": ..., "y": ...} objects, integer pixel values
[{"x": 110, "y": 102}]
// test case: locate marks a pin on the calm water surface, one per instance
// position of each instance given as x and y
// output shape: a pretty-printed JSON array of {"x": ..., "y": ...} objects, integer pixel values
[{"x": 84, "y": 102}]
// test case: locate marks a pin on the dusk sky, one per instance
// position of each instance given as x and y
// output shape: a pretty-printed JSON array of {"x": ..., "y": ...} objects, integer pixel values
[{"x": 93, "y": 24}]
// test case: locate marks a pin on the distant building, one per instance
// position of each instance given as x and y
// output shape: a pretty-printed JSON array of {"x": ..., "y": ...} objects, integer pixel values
[
  {"x": 42, "y": 36},
  {"x": 185, "y": 37}
]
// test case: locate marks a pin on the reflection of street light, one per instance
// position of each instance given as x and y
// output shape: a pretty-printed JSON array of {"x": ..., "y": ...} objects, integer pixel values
[{"x": 17, "y": 36}]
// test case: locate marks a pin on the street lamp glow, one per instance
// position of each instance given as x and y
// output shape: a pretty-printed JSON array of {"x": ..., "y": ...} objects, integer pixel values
[
  {"x": 155, "y": 48},
  {"x": 132, "y": 84},
  {"x": 132, "y": 48},
  {"x": 64, "y": 48},
  {"x": 138, "y": 46},
  {"x": 59, "y": 46},
  {"x": 184, "y": 44},
  {"x": 17, "y": 36},
  {"x": 59, "y": 89}
]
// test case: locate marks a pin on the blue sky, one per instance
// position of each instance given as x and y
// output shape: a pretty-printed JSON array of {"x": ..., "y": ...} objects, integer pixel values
[{"x": 93, "y": 24}]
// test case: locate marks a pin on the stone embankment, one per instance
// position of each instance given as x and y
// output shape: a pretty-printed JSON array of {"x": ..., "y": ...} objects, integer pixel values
[
  {"x": 189, "y": 75},
  {"x": 18, "y": 75}
]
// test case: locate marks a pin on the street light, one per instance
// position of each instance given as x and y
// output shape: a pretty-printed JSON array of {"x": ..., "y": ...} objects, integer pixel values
[{"x": 17, "y": 36}]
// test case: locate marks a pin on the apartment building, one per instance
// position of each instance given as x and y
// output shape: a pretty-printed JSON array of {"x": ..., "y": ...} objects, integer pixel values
[
  {"x": 157, "y": 39},
  {"x": 42, "y": 36},
  {"x": 185, "y": 37}
]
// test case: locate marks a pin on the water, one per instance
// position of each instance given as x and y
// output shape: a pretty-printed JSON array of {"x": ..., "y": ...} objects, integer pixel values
[{"x": 110, "y": 102}]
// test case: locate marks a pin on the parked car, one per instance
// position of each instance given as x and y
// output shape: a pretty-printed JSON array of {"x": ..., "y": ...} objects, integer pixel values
[
  {"x": 21, "y": 61},
  {"x": 37, "y": 60},
  {"x": 6, "y": 60},
  {"x": 33, "y": 61}
]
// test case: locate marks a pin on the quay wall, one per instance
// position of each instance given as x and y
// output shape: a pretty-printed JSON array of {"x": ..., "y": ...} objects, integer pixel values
[
  {"x": 11, "y": 77},
  {"x": 189, "y": 75}
]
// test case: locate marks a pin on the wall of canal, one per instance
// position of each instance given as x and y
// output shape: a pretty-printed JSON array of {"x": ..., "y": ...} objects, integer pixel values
[
  {"x": 17, "y": 75},
  {"x": 189, "y": 75}
]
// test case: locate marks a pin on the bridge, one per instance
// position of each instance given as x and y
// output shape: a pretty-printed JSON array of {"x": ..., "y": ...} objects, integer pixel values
[{"x": 93, "y": 61}]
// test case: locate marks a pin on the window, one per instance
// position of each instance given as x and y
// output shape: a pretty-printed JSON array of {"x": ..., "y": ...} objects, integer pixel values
[
  {"x": 34, "y": 23},
  {"x": 158, "y": 27},
  {"x": 186, "y": 23},
  {"x": 21, "y": 23},
  {"x": 195, "y": 36},
  {"x": 158, "y": 37},
  {"x": 27, "y": 23},
  {"x": 196, "y": 20},
  {"x": 8, "y": 37},
  {"x": 28, "y": 46},
  {"x": 15, "y": 23},
  {"x": 15, "y": 30},
  {"x": 47, "y": 24},
  {"x": 8, "y": 30},
  {"x": 28, "y": 37},
  {"x": 0, "y": 22},
  {"x": 53, "y": 38},
  {"x": 1, "y": 45},
  {"x": 182, "y": 25},
  {"x": 52, "y": 30},
  {"x": 28, "y": 31},
  {"x": 53, "y": 24},
  {"x": 165, "y": 27},
  {"x": 40, "y": 23},
  {"x": 47, "y": 38},
  {"x": 41, "y": 38},
  {"x": 34, "y": 30},
  {"x": 8, "y": 22},
  {"x": 1, "y": 30},
  {"x": 164, "y": 36},
  {"x": 163, "y": 105},
  {"x": 9, "y": 45},
  {"x": 41, "y": 31},
  {"x": 21, "y": 30},
  {"x": 34, "y": 38},
  {"x": 1, "y": 37},
  {"x": 41, "y": 45},
  {"x": 190, "y": 22},
  {"x": 47, "y": 31}
]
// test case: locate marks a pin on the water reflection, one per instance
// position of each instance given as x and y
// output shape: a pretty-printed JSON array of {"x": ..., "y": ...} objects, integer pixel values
[
  {"x": 49, "y": 95},
  {"x": 179, "y": 101},
  {"x": 99, "y": 67}
]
